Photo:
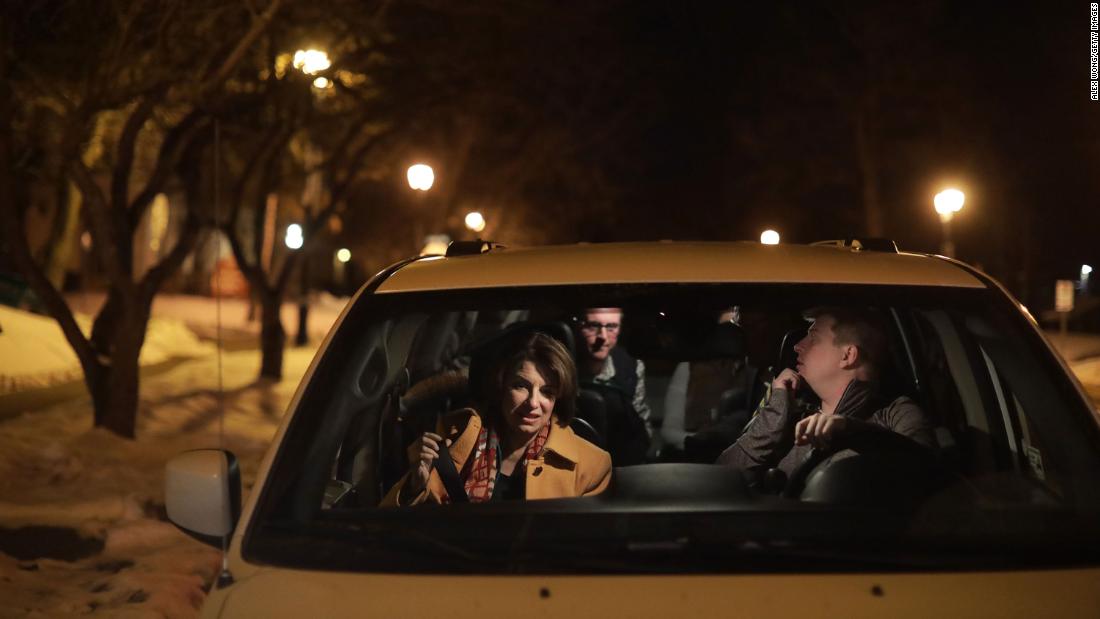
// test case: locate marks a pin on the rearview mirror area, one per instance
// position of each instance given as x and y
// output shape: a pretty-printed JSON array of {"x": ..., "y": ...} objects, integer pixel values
[{"x": 202, "y": 494}]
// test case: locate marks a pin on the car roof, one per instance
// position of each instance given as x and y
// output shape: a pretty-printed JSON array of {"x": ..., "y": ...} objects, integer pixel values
[{"x": 676, "y": 262}]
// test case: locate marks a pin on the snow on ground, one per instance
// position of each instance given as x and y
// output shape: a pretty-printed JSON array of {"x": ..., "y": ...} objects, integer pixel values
[
  {"x": 199, "y": 312},
  {"x": 34, "y": 353},
  {"x": 1088, "y": 372},
  {"x": 81, "y": 488}
]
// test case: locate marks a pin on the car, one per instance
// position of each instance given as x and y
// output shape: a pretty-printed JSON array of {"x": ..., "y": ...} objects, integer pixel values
[{"x": 998, "y": 517}]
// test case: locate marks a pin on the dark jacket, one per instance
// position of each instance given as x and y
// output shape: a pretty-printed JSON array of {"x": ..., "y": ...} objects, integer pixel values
[
  {"x": 768, "y": 440},
  {"x": 627, "y": 413}
]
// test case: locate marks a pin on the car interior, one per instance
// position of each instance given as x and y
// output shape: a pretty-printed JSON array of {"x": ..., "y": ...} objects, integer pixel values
[{"x": 421, "y": 365}]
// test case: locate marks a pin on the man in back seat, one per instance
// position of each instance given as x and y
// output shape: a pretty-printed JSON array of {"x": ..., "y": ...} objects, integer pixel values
[
  {"x": 619, "y": 378},
  {"x": 840, "y": 359}
]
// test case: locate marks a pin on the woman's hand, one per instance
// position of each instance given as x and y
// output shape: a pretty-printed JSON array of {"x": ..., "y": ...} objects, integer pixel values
[{"x": 422, "y": 455}]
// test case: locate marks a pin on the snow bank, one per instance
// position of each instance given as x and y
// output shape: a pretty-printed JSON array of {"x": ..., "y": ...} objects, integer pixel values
[
  {"x": 34, "y": 352},
  {"x": 1088, "y": 372},
  {"x": 57, "y": 470}
]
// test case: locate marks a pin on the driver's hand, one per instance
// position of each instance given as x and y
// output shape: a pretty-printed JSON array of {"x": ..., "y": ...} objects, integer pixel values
[
  {"x": 422, "y": 455},
  {"x": 819, "y": 430},
  {"x": 787, "y": 379}
]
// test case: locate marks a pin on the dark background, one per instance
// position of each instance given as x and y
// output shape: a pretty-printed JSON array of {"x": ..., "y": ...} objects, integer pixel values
[{"x": 711, "y": 120}]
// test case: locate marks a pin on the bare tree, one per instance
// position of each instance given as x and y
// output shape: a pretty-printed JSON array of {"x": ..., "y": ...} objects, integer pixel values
[
  {"x": 157, "y": 67},
  {"x": 289, "y": 134}
]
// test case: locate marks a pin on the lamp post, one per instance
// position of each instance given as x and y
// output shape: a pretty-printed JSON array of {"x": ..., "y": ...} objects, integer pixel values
[
  {"x": 421, "y": 177},
  {"x": 294, "y": 240},
  {"x": 947, "y": 203},
  {"x": 310, "y": 62},
  {"x": 339, "y": 267},
  {"x": 475, "y": 221}
]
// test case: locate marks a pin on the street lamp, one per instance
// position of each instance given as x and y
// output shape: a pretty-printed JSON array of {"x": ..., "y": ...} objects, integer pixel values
[
  {"x": 294, "y": 237},
  {"x": 947, "y": 203},
  {"x": 1086, "y": 270},
  {"x": 475, "y": 222},
  {"x": 421, "y": 177},
  {"x": 311, "y": 61},
  {"x": 769, "y": 237},
  {"x": 340, "y": 268}
]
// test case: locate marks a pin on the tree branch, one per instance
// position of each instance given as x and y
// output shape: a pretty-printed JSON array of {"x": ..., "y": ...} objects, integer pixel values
[
  {"x": 127, "y": 141},
  {"x": 155, "y": 277},
  {"x": 252, "y": 272},
  {"x": 21, "y": 253},
  {"x": 275, "y": 140},
  {"x": 258, "y": 26},
  {"x": 105, "y": 241},
  {"x": 174, "y": 143},
  {"x": 340, "y": 188}
]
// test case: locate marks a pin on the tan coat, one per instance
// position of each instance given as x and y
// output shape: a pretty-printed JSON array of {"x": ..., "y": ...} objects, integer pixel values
[{"x": 569, "y": 466}]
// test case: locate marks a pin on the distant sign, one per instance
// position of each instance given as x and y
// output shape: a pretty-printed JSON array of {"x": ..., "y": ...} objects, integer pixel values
[{"x": 1063, "y": 295}]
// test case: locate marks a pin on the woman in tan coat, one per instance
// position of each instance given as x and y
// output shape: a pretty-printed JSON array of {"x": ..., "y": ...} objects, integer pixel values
[{"x": 519, "y": 445}]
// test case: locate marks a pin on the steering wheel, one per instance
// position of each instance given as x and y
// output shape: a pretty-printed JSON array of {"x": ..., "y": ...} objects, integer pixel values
[{"x": 887, "y": 470}]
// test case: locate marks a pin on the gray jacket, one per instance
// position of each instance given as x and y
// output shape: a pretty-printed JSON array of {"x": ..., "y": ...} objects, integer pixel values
[{"x": 768, "y": 439}]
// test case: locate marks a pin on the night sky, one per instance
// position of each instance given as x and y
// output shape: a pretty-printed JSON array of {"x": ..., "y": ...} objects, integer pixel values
[{"x": 726, "y": 118}]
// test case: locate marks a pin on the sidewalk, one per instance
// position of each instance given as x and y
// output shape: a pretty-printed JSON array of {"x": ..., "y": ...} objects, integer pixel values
[
  {"x": 1082, "y": 352},
  {"x": 1075, "y": 347}
]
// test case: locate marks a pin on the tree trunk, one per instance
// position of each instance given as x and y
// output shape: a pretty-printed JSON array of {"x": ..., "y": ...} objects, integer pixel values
[
  {"x": 272, "y": 336},
  {"x": 114, "y": 386}
]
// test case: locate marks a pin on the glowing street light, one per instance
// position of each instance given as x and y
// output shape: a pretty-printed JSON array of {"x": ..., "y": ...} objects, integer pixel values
[
  {"x": 1086, "y": 270},
  {"x": 343, "y": 254},
  {"x": 947, "y": 203},
  {"x": 311, "y": 61},
  {"x": 421, "y": 177},
  {"x": 769, "y": 237},
  {"x": 294, "y": 239},
  {"x": 475, "y": 222}
]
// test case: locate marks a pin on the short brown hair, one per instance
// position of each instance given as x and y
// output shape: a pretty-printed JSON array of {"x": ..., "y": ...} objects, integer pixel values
[
  {"x": 862, "y": 327},
  {"x": 552, "y": 360}
]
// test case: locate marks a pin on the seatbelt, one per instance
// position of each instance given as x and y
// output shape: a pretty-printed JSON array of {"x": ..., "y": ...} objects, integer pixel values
[{"x": 448, "y": 474}]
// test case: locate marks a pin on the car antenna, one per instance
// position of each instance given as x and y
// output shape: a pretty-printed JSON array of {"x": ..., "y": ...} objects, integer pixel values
[{"x": 225, "y": 578}]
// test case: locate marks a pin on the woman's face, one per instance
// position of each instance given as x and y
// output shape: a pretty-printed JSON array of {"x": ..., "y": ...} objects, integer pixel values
[{"x": 528, "y": 401}]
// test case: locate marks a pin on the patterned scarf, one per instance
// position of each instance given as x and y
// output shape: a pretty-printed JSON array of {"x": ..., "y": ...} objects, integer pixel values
[{"x": 480, "y": 473}]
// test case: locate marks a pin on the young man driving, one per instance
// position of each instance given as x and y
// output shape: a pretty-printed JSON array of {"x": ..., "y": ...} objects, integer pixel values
[{"x": 840, "y": 359}]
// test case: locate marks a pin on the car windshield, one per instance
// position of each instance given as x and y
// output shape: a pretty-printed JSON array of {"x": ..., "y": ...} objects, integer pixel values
[{"x": 967, "y": 445}]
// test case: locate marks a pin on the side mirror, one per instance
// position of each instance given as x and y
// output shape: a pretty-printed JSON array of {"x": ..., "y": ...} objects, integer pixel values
[{"x": 202, "y": 494}]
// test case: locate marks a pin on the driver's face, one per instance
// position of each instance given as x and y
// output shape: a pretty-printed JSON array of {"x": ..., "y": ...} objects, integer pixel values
[
  {"x": 600, "y": 328},
  {"x": 819, "y": 358}
]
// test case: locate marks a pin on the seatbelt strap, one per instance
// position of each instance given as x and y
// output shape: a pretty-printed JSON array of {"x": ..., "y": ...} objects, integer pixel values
[{"x": 448, "y": 474}]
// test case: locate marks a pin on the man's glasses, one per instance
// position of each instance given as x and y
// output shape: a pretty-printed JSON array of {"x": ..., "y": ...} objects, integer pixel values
[{"x": 591, "y": 326}]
